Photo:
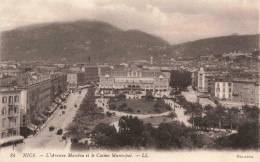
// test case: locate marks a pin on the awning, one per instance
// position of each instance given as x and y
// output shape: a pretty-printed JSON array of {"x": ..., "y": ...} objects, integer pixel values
[
  {"x": 32, "y": 127},
  {"x": 43, "y": 116},
  {"x": 40, "y": 119},
  {"x": 10, "y": 139}
]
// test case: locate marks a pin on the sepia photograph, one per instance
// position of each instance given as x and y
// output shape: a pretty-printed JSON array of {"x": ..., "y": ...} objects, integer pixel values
[{"x": 129, "y": 80}]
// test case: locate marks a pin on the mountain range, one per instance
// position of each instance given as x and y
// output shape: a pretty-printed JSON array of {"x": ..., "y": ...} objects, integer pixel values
[{"x": 76, "y": 41}]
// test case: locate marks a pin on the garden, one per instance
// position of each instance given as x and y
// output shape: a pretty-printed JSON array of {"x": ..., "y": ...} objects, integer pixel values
[{"x": 147, "y": 105}]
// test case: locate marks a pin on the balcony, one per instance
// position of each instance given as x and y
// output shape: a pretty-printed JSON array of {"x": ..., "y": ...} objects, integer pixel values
[{"x": 11, "y": 114}]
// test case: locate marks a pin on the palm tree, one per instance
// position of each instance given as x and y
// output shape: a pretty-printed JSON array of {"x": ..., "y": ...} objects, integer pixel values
[
  {"x": 232, "y": 116},
  {"x": 207, "y": 108},
  {"x": 194, "y": 109},
  {"x": 210, "y": 118},
  {"x": 220, "y": 113},
  {"x": 172, "y": 115}
]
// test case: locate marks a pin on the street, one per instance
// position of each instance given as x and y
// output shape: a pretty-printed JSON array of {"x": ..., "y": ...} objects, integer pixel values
[{"x": 46, "y": 140}]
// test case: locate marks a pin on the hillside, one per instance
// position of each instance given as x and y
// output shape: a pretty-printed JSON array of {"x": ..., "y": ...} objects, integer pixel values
[
  {"x": 217, "y": 45},
  {"x": 75, "y": 41}
]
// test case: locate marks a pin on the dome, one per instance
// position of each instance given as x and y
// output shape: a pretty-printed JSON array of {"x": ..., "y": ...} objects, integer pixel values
[
  {"x": 160, "y": 76},
  {"x": 107, "y": 76}
]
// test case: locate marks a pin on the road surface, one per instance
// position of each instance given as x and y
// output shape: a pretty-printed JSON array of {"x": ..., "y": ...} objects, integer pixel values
[{"x": 46, "y": 140}]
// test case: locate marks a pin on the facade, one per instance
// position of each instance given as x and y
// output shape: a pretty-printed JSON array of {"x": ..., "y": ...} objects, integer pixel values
[
  {"x": 75, "y": 79},
  {"x": 205, "y": 79},
  {"x": 35, "y": 98},
  {"x": 134, "y": 79},
  {"x": 10, "y": 113},
  {"x": 10, "y": 72},
  {"x": 58, "y": 84},
  {"x": 246, "y": 91},
  {"x": 236, "y": 93},
  {"x": 91, "y": 73},
  {"x": 224, "y": 90}
]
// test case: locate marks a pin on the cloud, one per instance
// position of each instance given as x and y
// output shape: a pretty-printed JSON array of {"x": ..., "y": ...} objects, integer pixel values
[{"x": 174, "y": 20}]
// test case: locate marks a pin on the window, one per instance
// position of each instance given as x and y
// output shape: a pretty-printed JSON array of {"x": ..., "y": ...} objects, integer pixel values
[
  {"x": 10, "y": 100},
  {"x": 3, "y": 135},
  {"x": 3, "y": 122},
  {"x": 9, "y": 134},
  {"x": 16, "y": 98},
  {"x": 15, "y": 121},
  {"x": 4, "y": 99},
  {"x": 10, "y": 111},
  {"x": 15, "y": 132},
  {"x": 3, "y": 111},
  {"x": 16, "y": 109}
]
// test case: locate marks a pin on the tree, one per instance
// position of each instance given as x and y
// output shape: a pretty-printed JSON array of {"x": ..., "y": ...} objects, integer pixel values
[
  {"x": 121, "y": 97},
  {"x": 246, "y": 138},
  {"x": 180, "y": 79},
  {"x": 112, "y": 106},
  {"x": 130, "y": 131},
  {"x": 124, "y": 105},
  {"x": 220, "y": 112},
  {"x": 161, "y": 106},
  {"x": 251, "y": 113},
  {"x": 149, "y": 96},
  {"x": 210, "y": 118},
  {"x": 73, "y": 131},
  {"x": 194, "y": 109},
  {"x": 105, "y": 135},
  {"x": 232, "y": 116},
  {"x": 208, "y": 108},
  {"x": 172, "y": 115}
]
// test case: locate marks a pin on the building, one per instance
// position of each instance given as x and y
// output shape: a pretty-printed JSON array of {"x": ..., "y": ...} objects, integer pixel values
[
  {"x": 9, "y": 72},
  {"x": 224, "y": 90},
  {"x": 10, "y": 115},
  {"x": 134, "y": 80},
  {"x": 58, "y": 84},
  {"x": 237, "y": 92},
  {"x": 246, "y": 91},
  {"x": 75, "y": 79},
  {"x": 205, "y": 79},
  {"x": 91, "y": 73},
  {"x": 35, "y": 99}
]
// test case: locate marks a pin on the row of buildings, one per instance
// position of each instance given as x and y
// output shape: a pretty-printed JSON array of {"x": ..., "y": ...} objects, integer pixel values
[
  {"x": 225, "y": 89},
  {"x": 26, "y": 101}
]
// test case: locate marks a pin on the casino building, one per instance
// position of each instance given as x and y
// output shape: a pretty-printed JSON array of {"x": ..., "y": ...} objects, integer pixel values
[{"x": 134, "y": 80}]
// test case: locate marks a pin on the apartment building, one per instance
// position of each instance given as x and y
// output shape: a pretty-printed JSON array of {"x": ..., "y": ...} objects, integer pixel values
[
  {"x": 224, "y": 90},
  {"x": 246, "y": 91},
  {"x": 10, "y": 115},
  {"x": 75, "y": 79},
  {"x": 205, "y": 79}
]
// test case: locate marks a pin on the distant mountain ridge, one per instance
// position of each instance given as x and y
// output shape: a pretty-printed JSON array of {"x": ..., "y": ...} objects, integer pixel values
[
  {"x": 77, "y": 40},
  {"x": 217, "y": 45}
]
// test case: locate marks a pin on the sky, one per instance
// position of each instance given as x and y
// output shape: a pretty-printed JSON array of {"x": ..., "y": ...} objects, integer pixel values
[{"x": 176, "y": 21}]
